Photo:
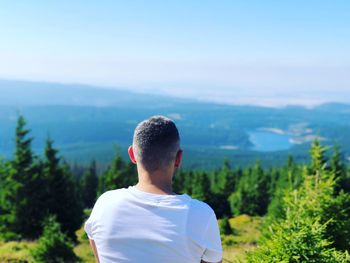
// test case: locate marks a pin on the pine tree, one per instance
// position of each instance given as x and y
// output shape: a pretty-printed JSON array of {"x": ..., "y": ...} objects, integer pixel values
[
  {"x": 8, "y": 188},
  {"x": 114, "y": 178},
  {"x": 188, "y": 182},
  {"x": 252, "y": 193},
  {"x": 337, "y": 211},
  {"x": 318, "y": 159},
  {"x": 62, "y": 199},
  {"x": 89, "y": 184},
  {"x": 223, "y": 184},
  {"x": 289, "y": 178},
  {"x": 179, "y": 182},
  {"x": 24, "y": 190},
  {"x": 226, "y": 181},
  {"x": 118, "y": 175},
  {"x": 316, "y": 225},
  {"x": 200, "y": 186},
  {"x": 22, "y": 175},
  {"x": 339, "y": 170},
  {"x": 23, "y": 154},
  {"x": 300, "y": 237}
]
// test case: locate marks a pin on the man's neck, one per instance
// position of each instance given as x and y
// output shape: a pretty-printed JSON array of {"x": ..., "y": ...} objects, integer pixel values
[
  {"x": 158, "y": 182},
  {"x": 154, "y": 189}
]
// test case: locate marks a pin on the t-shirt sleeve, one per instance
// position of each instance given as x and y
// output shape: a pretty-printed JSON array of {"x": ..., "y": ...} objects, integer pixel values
[
  {"x": 88, "y": 227},
  {"x": 90, "y": 224},
  {"x": 213, "y": 251}
]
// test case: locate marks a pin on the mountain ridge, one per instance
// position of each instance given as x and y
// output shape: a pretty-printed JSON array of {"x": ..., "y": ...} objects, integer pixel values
[{"x": 26, "y": 93}]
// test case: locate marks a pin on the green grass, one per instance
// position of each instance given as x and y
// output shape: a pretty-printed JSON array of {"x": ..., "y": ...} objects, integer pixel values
[{"x": 246, "y": 233}]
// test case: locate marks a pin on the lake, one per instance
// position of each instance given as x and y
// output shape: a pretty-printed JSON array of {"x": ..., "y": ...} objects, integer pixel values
[{"x": 265, "y": 141}]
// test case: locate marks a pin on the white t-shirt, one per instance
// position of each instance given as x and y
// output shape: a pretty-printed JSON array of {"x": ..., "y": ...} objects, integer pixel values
[{"x": 129, "y": 225}]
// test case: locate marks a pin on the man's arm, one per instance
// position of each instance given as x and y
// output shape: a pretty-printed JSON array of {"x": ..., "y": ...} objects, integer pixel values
[
  {"x": 94, "y": 249},
  {"x": 213, "y": 247}
]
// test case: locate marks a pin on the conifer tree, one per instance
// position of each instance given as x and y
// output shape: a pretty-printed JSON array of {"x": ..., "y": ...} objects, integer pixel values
[
  {"x": 89, "y": 184},
  {"x": 8, "y": 188},
  {"x": 118, "y": 175},
  {"x": 289, "y": 178},
  {"x": 114, "y": 175},
  {"x": 318, "y": 159},
  {"x": 200, "y": 186},
  {"x": 226, "y": 180},
  {"x": 336, "y": 164},
  {"x": 53, "y": 245},
  {"x": 188, "y": 182},
  {"x": 62, "y": 200},
  {"x": 339, "y": 170},
  {"x": 252, "y": 193},
  {"x": 179, "y": 182},
  {"x": 300, "y": 237},
  {"x": 222, "y": 186},
  {"x": 316, "y": 224},
  {"x": 23, "y": 153},
  {"x": 25, "y": 189}
]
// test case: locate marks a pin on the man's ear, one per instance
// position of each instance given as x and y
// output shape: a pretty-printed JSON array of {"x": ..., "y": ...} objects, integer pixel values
[
  {"x": 131, "y": 154},
  {"x": 178, "y": 159}
]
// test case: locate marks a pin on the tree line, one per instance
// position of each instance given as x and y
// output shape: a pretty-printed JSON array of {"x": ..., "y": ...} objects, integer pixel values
[{"x": 40, "y": 195}]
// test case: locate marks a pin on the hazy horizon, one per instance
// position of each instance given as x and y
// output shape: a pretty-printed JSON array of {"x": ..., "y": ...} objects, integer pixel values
[
  {"x": 224, "y": 98},
  {"x": 237, "y": 52}
]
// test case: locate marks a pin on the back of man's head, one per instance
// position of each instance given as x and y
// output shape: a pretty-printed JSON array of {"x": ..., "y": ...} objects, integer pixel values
[{"x": 156, "y": 143}]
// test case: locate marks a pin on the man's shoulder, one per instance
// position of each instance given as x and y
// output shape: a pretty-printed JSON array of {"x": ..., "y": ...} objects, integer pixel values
[
  {"x": 111, "y": 195},
  {"x": 201, "y": 207}
]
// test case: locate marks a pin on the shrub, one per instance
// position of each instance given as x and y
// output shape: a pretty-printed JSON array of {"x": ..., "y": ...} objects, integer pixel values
[
  {"x": 225, "y": 228},
  {"x": 304, "y": 234},
  {"x": 53, "y": 245},
  {"x": 298, "y": 241}
]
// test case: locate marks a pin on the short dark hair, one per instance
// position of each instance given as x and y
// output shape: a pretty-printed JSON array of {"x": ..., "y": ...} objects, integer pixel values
[{"x": 156, "y": 142}]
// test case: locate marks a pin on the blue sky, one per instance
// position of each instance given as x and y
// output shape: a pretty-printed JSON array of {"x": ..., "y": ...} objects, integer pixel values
[{"x": 263, "y": 52}]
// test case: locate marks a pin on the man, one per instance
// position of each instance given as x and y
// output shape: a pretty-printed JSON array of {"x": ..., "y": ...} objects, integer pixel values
[{"x": 148, "y": 222}]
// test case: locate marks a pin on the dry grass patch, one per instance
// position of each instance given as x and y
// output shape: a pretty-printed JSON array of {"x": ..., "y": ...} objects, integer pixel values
[
  {"x": 83, "y": 250},
  {"x": 18, "y": 252}
]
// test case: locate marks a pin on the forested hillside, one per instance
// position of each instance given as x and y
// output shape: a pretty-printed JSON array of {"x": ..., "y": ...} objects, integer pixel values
[
  {"x": 93, "y": 123},
  {"x": 288, "y": 213}
]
